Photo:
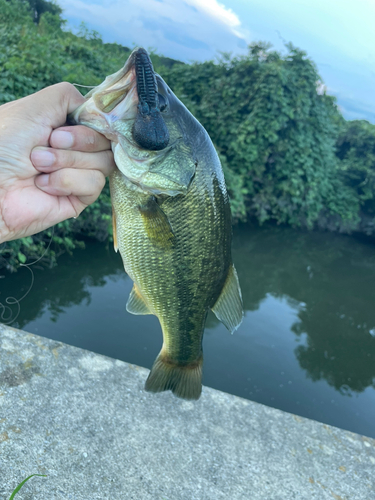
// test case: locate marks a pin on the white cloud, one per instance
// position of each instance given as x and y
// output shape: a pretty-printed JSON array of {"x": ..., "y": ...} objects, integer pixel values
[
  {"x": 216, "y": 10},
  {"x": 183, "y": 29},
  {"x": 222, "y": 14}
]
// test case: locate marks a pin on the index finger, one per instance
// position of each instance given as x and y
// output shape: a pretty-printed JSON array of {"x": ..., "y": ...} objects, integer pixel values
[
  {"x": 79, "y": 138},
  {"x": 54, "y": 103}
]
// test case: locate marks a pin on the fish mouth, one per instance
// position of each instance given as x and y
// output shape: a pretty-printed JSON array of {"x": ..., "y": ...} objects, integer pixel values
[
  {"x": 149, "y": 130},
  {"x": 131, "y": 94},
  {"x": 114, "y": 99}
]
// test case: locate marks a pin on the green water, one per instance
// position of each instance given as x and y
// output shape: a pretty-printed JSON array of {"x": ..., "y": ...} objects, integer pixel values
[{"x": 307, "y": 343}]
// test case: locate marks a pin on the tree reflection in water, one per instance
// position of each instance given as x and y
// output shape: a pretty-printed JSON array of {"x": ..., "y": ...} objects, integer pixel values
[
  {"x": 334, "y": 277},
  {"x": 54, "y": 290}
]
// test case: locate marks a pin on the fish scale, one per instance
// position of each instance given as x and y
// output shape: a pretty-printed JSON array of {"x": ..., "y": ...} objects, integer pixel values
[{"x": 182, "y": 285}]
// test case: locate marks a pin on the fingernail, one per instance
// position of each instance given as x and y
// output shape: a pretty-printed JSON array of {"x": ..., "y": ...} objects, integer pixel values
[
  {"x": 42, "y": 180},
  {"x": 62, "y": 139},
  {"x": 42, "y": 158}
]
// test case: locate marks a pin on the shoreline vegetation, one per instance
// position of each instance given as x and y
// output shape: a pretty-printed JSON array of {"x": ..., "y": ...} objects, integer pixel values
[{"x": 288, "y": 155}]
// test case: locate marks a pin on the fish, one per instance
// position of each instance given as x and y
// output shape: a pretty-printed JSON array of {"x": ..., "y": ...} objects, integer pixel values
[{"x": 171, "y": 217}]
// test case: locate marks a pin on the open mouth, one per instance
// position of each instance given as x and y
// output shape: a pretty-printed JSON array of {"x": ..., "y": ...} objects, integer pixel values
[{"x": 130, "y": 94}]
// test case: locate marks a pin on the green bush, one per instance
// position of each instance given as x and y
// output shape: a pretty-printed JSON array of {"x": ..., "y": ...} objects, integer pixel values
[
  {"x": 356, "y": 152},
  {"x": 275, "y": 132},
  {"x": 34, "y": 55},
  {"x": 287, "y": 153}
]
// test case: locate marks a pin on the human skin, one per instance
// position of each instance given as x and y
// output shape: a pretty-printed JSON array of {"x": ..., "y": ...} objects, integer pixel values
[{"x": 49, "y": 172}]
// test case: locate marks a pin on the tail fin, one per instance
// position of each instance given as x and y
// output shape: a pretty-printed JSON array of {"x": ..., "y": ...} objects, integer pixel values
[{"x": 185, "y": 381}]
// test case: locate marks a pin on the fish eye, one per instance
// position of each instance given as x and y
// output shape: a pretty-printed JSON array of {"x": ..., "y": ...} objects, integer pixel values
[{"x": 162, "y": 103}]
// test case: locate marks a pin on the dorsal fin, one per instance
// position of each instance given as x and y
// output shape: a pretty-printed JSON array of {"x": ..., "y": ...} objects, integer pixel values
[
  {"x": 228, "y": 307},
  {"x": 114, "y": 231}
]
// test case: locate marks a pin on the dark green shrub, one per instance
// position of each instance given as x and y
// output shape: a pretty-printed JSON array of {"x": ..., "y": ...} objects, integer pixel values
[
  {"x": 287, "y": 153},
  {"x": 356, "y": 152}
]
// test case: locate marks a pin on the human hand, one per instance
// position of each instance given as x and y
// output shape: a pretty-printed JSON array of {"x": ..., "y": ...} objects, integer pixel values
[{"x": 48, "y": 172}]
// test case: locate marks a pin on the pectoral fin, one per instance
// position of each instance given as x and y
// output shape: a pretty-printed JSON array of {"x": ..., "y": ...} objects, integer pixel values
[
  {"x": 228, "y": 307},
  {"x": 136, "y": 303},
  {"x": 114, "y": 231},
  {"x": 157, "y": 225}
]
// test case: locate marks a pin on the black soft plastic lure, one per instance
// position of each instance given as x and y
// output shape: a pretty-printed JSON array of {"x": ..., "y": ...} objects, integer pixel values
[{"x": 149, "y": 130}]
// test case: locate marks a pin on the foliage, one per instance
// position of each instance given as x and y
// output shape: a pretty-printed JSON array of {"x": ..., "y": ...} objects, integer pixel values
[
  {"x": 35, "y": 56},
  {"x": 32, "y": 57},
  {"x": 287, "y": 153},
  {"x": 356, "y": 152},
  {"x": 39, "y": 7},
  {"x": 275, "y": 131}
]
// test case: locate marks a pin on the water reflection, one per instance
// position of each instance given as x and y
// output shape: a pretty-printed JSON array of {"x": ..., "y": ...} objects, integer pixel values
[
  {"x": 332, "y": 279},
  {"x": 55, "y": 290},
  {"x": 308, "y": 337}
]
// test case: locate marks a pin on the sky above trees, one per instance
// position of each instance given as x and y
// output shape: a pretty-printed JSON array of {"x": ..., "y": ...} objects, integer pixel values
[{"x": 337, "y": 34}]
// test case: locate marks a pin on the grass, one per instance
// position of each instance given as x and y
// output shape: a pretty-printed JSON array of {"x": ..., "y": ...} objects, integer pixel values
[{"x": 21, "y": 484}]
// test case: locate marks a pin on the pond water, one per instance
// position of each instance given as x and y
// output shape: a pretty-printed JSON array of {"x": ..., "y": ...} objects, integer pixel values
[{"x": 306, "y": 345}]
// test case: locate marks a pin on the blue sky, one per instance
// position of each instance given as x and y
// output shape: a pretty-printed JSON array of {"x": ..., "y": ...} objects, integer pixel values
[{"x": 339, "y": 35}]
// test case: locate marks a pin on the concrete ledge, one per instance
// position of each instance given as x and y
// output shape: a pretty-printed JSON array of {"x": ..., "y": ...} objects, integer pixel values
[{"x": 85, "y": 421}]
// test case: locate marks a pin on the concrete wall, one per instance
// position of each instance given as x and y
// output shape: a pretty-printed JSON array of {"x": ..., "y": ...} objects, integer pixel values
[{"x": 85, "y": 421}]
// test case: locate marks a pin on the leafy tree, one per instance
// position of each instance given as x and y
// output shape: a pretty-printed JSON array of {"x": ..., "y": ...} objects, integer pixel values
[
  {"x": 275, "y": 132},
  {"x": 40, "y": 7},
  {"x": 356, "y": 152},
  {"x": 287, "y": 153}
]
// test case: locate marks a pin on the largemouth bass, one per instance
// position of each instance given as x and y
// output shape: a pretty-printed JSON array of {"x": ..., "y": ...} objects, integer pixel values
[{"x": 171, "y": 216}]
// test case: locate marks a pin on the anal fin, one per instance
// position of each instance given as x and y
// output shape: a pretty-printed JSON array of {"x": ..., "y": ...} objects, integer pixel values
[
  {"x": 136, "y": 303},
  {"x": 228, "y": 307}
]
